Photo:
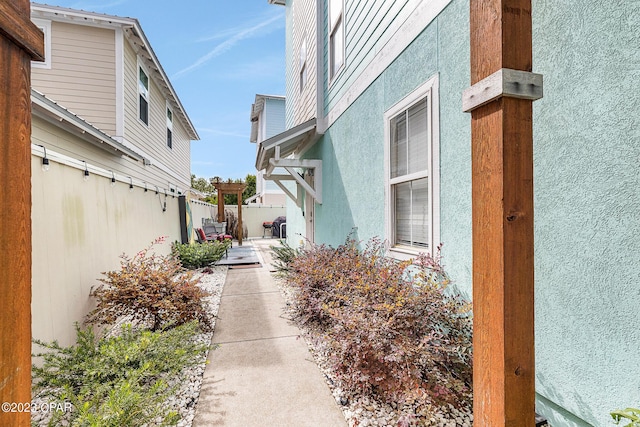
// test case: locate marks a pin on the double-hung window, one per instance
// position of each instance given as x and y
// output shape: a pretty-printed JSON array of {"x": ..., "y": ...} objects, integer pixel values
[
  {"x": 143, "y": 95},
  {"x": 412, "y": 161},
  {"x": 336, "y": 36}
]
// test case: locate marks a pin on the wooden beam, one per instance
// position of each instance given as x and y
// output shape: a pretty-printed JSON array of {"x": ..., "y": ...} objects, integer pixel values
[
  {"x": 502, "y": 192},
  {"x": 16, "y": 26},
  {"x": 18, "y": 45}
]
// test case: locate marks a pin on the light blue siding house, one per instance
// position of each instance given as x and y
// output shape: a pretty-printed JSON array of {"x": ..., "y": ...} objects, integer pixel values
[
  {"x": 375, "y": 130},
  {"x": 267, "y": 120}
]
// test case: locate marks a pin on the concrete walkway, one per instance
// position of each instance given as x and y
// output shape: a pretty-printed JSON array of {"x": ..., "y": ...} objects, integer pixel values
[{"x": 262, "y": 374}]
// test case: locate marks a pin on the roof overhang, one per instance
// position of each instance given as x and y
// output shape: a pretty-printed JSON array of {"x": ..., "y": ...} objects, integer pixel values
[
  {"x": 53, "y": 112},
  {"x": 136, "y": 36},
  {"x": 294, "y": 140}
]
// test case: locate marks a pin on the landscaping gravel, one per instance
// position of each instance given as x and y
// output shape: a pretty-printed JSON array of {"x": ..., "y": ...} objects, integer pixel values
[
  {"x": 365, "y": 411},
  {"x": 359, "y": 410},
  {"x": 186, "y": 397}
]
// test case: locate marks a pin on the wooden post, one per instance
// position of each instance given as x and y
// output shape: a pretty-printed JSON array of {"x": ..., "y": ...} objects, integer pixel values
[
  {"x": 20, "y": 42},
  {"x": 220, "y": 206},
  {"x": 240, "y": 231},
  {"x": 502, "y": 191}
]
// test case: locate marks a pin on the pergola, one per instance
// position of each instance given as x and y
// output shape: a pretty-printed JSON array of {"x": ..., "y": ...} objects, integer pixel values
[{"x": 230, "y": 188}]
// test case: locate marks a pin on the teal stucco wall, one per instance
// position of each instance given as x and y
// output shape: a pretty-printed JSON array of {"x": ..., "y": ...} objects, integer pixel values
[
  {"x": 587, "y": 208},
  {"x": 587, "y": 190}
]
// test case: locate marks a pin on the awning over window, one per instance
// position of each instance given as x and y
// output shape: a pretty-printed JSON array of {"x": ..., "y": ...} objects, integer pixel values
[
  {"x": 287, "y": 142},
  {"x": 277, "y": 151}
]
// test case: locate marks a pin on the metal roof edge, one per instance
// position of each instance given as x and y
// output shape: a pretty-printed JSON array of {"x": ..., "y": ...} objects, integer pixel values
[{"x": 47, "y": 104}]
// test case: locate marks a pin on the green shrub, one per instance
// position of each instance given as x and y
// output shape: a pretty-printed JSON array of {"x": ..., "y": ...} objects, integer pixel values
[
  {"x": 284, "y": 256},
  {"x": 630, "y": 414},
  {"x": 393, "y": 329},
  {"x": 116, "y": 381},
  {"x": 199, "y": 255},
  {"x": 150, "y": 288}
]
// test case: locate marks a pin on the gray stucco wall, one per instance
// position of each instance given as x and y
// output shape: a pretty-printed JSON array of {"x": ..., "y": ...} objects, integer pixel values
[{"x": 587, "y": 190}]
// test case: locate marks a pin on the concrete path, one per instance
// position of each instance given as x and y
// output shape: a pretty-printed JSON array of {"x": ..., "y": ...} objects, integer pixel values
[{"x": 262, "y": 374}]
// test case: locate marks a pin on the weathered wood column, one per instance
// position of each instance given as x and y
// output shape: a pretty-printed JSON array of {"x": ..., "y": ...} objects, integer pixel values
[
  {"x": 500, "y": 102},
  {"x": 20, "y": 42}
]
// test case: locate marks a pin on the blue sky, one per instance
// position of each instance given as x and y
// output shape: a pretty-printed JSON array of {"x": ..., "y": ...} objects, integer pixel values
[{"x": 218, "y": 56}]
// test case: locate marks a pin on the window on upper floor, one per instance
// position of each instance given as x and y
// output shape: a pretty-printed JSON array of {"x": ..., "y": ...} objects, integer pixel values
[
  {"x": 44, "y": 26},
  {"x": 411, "y": 156},
  {"x": 336, "y": 37},
  {"x": 303, "y": 64},
  {"x": 169, "y": 127},
  {"x": 143, "y": 95}
]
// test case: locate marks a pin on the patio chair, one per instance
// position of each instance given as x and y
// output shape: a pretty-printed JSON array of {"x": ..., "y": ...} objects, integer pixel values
[{"x": 212, "y": 233}]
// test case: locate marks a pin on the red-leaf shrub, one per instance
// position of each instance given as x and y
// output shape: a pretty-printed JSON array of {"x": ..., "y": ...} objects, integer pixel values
[
  {"x": 393, "y": 328},
  {"x": 150, "y": 288}
]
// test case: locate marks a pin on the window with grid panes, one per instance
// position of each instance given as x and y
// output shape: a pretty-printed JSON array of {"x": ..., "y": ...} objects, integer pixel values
[{"x": 412, "y": 171}]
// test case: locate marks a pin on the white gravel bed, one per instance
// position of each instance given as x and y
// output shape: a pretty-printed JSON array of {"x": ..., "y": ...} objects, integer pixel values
[
  {"x": 365, "y": 411},
  {"x": 189, "y": 382},
  {"x": 186, "y": 397}
]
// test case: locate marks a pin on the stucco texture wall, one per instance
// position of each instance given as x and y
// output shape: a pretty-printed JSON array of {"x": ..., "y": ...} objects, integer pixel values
[{"x": 587, "y": 208}]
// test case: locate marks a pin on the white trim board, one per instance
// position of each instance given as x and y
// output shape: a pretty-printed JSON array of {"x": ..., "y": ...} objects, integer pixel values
[{"x": 425, "y": 12}]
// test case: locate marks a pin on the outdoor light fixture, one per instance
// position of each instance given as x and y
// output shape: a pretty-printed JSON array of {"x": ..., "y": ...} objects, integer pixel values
[
  {"x": 86, "y": 172},
  {"x": 145, "y": 187},
  {"x": 113, "y": 179},
  {"x": 130, "y": 184},
  {"x": 45, "y": 160},
  {"x": 156, "y": 189}
]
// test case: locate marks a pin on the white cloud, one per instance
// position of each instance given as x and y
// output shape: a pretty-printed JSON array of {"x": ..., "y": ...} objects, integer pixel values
[{"x": 238, "y": 35}]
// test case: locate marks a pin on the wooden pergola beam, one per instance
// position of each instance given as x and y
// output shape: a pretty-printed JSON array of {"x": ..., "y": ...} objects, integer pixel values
[
  {"x": 20, "y": 42},
  {"x": 230, "y": 188},
  {"x": 502, "y": 191}
]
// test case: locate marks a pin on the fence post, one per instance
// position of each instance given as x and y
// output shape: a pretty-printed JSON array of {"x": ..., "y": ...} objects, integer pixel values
[{"x": 20, "y": 42}]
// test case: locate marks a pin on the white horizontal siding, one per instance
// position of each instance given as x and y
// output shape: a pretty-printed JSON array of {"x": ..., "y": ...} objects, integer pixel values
[
  {"x": 152, "y": 138},
  {"x": 274, "y": 117},
  {"x": 369, "y": 25},
  {"x": 301, "y": 105},
  {"x": 82, "y": 74}
]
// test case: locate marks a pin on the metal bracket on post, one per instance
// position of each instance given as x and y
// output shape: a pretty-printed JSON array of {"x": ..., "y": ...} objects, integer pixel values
[{"x": 503, "y": 83}]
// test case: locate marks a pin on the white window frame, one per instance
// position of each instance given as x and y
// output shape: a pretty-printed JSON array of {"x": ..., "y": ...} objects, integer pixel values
[
  {"x": 333, "y": 26},
  {"x": 428, "y": 90},
  {"x": 169, "y": 111},
  {"x": 45, "y": 26},
  {"x": 146, "y": 95},
  {"x": 303, "y": 64}
]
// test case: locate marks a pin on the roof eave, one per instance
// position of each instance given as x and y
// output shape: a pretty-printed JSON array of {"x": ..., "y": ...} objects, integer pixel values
[{"x": 55, "y": 113}]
